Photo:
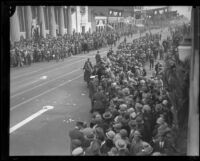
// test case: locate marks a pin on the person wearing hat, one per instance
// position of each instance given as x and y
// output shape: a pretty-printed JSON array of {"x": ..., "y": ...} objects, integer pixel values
[
  {"x": 161, "y": 124},
  {"x": 147, "y": 115},
  {"x": 76, "y": 133},
  {"x": 130, "y": 110},
  {"x": 117, "y": 127},
  {"x": 99, "y": 133},
  {"x": 140, "y": 125},
  {"x": 93, "y": 149},
  {"x": 123, "y": 108},
  {"x": 96, "y": 120},
  {"x": 138, "y": 107},
  {"x": 165, "y": 144},
  {"x": 139, "y": 147},
  {"x": 121, "y": 146},
  {"x": 87, "y": 130},
  {"x": 88, "y": 137},
  {"x": 78, "y": 152},
  {"x": 108, "y": 143},
  {"x": 124, "y": 135},
  {"x": 75, "y": 143},
  {"x": 113, "y": 152},
  {"x": 107, "y": 116},
  {"x": 133, "y": 126},
  {"x": 151, "y": 59},
  {"x": 99, "y": 100}
]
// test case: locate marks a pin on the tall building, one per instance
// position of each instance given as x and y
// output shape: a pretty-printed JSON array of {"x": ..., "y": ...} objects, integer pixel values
[{"x": 52, "y": 20}]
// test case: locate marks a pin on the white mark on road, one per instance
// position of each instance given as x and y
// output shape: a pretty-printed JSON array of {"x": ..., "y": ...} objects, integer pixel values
[
  {"x": 43, "y": 77},
  {"x": 18, "y": 105},
  {"x": 22, "y": 123}
]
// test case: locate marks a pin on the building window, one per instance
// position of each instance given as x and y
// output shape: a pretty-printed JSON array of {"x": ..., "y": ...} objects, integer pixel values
[
  {"x": 46, "y": 18},
  {"x": 21, "y": 19}
]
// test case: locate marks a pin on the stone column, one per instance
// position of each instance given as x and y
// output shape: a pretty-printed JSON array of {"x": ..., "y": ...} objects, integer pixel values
[
  {"x": 52, "y": 27},
  {"x": 69, "y": 20},
  {"x": 14, "y": 27},
  {"x": 41, "y": 21},
  {"x": 28, "y": 20},
  {"x": 61, "y": 21}
]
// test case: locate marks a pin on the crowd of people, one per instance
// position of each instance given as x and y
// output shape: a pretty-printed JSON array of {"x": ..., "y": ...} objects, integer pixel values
[
  {"x": 131, "y": 112},
  {"x": 50, "y": 48}
]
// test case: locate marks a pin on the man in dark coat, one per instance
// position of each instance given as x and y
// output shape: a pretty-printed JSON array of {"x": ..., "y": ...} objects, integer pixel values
[
  {"x": 99, "y": 101},
  {"x": 88, "y": 70}
]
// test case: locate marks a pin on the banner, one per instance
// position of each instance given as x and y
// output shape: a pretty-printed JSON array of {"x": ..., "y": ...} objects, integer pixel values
[{"x": 115, "y": 13}]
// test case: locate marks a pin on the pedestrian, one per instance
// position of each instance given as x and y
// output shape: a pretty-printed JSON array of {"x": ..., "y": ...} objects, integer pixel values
[{"x": 151, "y": 61}]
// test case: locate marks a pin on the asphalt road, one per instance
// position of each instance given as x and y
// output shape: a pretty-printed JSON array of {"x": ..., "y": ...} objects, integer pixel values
[{"x": 36, "y": 131}]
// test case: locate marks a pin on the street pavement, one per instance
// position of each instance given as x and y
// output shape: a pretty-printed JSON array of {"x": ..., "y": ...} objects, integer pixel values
[{"x": 38, "y": 131}]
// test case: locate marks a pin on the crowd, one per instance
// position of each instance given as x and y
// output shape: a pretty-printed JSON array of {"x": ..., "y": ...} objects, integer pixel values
[
  {"x": 41, "y": 49},
  {"x": 131, "y": 112}
]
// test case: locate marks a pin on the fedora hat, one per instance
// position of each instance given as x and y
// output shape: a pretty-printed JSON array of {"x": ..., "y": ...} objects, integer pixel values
[
  {"x": 123, "y": 133},
  {"x": 87, "y": 131},
  {"x": 131, "y": 110},
  {"x": 160, "y": 120},
  {"x": 120, "y": 144},
  {"x": 164, "y": 102},
  {"x": 133, "y": 115},
  {"x": 110, "y": 135},
  {"x": 90, "y": 136},
  {"x": 132, "y": 124},
  {"x": 123, "y": 107},
  {"x": 146, "y": 108},
  {"x": 138, "y": 106},
  {"x": 118, "y": 119},
  {"x": 107, "y": 115},
  {"x": 117, "y": 126}
]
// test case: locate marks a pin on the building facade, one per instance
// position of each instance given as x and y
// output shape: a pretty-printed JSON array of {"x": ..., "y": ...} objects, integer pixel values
[{"x": 52, "y": 20}]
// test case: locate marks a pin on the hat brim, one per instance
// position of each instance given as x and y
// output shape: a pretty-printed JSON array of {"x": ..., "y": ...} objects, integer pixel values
[
  {"x": 120, "y": 148},
  {"x": 109, "y": 136}
]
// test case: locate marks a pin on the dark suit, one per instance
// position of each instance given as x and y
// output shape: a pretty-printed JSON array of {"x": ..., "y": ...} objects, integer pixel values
[
  {"x": 164, "y": 146},
  {"x": 76, "y": 134}
]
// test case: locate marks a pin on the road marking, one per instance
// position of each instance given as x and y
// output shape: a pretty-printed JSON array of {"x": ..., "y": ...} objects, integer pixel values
[
  {"x": 43, "y": 83},
  {"x": 22, "y": 123},
  {"x": 14, "y": 107},
  {"x": 43, "y": 77}
]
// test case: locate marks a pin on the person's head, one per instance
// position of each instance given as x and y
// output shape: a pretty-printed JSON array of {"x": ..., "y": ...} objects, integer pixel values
[{"x": 137, "y": 135}]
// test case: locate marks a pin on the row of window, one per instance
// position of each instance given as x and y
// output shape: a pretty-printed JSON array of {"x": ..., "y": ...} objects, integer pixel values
[{"x": 35, "y": 14}]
